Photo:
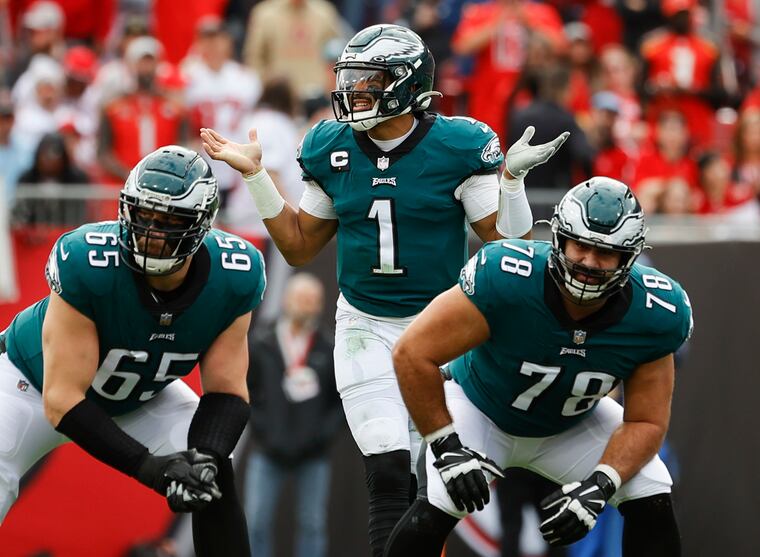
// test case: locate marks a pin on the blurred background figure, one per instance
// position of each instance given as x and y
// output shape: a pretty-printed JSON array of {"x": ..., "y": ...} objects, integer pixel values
[
  {"x": 41, "y": 34},
  {"x": 611, "y": 158},
  {"x": 142, "y": 120},
  {"x": 721, "y": 196},
  {"x": 15, "y": 156},
  {"x": 295, "y": 413},
  {"x": 287, "y": 38},
  {"x": 219, "y": 90},
  {"x": 274, "y": 118}
]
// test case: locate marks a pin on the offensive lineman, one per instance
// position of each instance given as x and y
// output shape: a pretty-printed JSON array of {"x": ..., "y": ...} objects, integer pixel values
[
  {"x": 134, "y": 305},
  {"x": 539, "y": 333},
  {"x": 397, "y": 184}
]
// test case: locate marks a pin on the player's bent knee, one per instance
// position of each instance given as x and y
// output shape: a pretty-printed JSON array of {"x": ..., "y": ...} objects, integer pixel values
[
  {"x": 378, "y": 435},
  {"x": 421, "y": 532},
  {"x": 388, "y": 472}
]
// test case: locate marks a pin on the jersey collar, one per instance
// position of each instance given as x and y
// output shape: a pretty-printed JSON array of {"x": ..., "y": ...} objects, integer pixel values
[{"x": 373, "y": 152}]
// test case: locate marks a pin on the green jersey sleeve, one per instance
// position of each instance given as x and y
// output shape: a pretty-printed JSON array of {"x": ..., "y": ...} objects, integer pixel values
[
  {"x": 474, "y": 142},
  {"x": 477, "y": 281}
]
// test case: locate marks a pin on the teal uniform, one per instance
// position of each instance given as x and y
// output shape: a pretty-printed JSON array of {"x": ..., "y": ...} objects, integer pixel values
[
  {"x": 144, "y": 345},
  {"x": 402, "y": 236},
  {"x": 540, "y": 373}
]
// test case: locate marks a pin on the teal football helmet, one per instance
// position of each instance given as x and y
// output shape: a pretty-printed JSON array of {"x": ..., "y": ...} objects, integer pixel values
[
  {"x": 603, "y": 213},
  {"x": 166, "y": 208},
  {"x": 384, "y": 71}
]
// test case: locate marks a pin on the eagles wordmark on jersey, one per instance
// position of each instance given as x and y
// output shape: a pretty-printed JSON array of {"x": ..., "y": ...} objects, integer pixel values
[{"x": 402, "y": 235}]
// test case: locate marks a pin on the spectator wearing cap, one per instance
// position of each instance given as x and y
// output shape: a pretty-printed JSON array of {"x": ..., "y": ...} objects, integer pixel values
[
  {"x": 82, "y": 21},
  {"x": 141, "y": 121},
  {"x": 42, "y": 24},
  {"x": 219, "y": 91},
  {"x": 682, "y": 72},
  {"x": 611, "y": 159},
  {"x": 38, "y": 111},
  {"x": 15, "y": 156},
  {"x": 549, "y": 115},
  {"x": 287, "y": 37},
  {"x": 78, "y": 116}
]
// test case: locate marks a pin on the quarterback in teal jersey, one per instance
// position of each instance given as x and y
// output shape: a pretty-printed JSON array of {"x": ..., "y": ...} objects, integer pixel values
[
  {"x": 533, "y": 338},
  {"x": 398, "y": 185},
  {"x": 134, "y": 306}
]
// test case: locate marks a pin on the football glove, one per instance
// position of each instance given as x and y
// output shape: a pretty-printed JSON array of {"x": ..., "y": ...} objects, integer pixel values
[
  {"x": 570, "y": 513},
  {"x": 521, "y": 156},
  {"x": 463, "y": 472},
  {"x": 187, "y": 479}
]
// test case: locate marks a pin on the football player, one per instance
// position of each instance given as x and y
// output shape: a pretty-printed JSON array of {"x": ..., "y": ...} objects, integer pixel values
[
  {"x": 135, "y": 305},
  {"x": 537, "y": 334},
  {"x": 398, "y": 184}
]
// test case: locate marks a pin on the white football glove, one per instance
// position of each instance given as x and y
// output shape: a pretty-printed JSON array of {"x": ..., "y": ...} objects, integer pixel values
[{"x": 521, "y": 156}]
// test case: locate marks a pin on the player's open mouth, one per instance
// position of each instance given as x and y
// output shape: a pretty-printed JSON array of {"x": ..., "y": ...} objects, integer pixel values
[
  {"x": 363, "y": 103},
  {"x": 586, "y": 279}
]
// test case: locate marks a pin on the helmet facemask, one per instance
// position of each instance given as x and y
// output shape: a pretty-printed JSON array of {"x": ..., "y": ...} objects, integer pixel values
[
  {"x": 159, "y": 237},
  {"x": 367, "y": 94},
  {"x": 602, "y": 213}
]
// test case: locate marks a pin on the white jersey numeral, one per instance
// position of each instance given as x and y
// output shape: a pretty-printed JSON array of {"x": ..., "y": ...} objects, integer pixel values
[{"x": 381, "y": 210}]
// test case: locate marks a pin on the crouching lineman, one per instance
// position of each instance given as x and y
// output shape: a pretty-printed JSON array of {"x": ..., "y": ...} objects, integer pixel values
[
  {"x": 539, "y": 333},
  {"x": 134, "y": 305}
]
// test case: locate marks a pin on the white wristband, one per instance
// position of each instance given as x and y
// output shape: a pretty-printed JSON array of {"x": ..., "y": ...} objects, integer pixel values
[
  {"x": 514, "y": 218},
  {"x": 611, "y": 473},
  {"x": 439, "y": 433},
  {"x": 268, "y": 200}
]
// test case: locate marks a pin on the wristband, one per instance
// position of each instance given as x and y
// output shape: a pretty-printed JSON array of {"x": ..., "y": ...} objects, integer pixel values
[
  {"x": 268, "y": 200},
  {"x": 439, "y": 433},
  {"x": 611, "y": 473}
]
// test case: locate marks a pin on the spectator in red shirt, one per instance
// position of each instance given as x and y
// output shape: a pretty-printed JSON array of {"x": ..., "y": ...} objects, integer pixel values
[
  {"x": 722, "y": 196},
  {"x": 611, "y": 160},
  {"x": 682, "y": 72},
  {"x": 618, "y": 73},
  {"x": 496, "y": 33},
  {"x": 668, "y": 159},
  {"x": 581, "y": 59},
  {"x": 141, "y": 121},
  {"x": 747, "y": 150}
]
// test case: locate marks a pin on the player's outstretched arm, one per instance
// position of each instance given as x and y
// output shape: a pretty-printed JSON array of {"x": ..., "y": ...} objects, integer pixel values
[
  {"x": 70, "y": 352},
  {"x": 450, "y": 326},
  {"x": 298, "y": 235}
]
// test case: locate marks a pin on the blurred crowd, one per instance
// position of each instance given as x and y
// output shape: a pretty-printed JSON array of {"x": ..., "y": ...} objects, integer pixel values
[{"x": 664, "y": 95}]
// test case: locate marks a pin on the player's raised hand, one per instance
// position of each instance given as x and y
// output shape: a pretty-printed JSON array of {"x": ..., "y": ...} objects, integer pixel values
[
  {"x": 522, "y": 156},
  {"x": 463, "y": 472},
  {"x": 243, "y": 157}
]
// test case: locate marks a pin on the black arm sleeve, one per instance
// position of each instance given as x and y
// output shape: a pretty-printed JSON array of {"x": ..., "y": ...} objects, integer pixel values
[
  {"x": 218, "y": 423},
  {"x": 90, "y": 427}
]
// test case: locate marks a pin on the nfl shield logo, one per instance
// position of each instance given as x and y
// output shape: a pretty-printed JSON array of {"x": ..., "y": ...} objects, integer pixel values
[
  {"x": 383, "y": 162},
  {"x": 579, "y": 337},
  {"x": 166, "y": 319},
  {"x": 22, "y": 385}
]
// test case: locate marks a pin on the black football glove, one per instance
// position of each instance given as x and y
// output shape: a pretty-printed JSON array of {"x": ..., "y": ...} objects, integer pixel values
[
  {"x": 570, "y": 513},
  {"x": 463, "y": 472},
  {"x": 187, "y": 479}
]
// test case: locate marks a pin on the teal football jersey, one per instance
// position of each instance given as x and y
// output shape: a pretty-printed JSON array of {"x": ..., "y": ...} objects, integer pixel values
[
  {"x": 402, "y": 236},
  {"x": 144, "y": 346},
  {"x": 540, "y": 372}
]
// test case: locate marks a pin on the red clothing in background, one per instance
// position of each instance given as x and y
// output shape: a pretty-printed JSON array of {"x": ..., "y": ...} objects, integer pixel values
[
  {"x": 615, "y": 163},
  {"x": 605, "y": 24},
  {"x": 140, "y": 124},
  {"x": 175, "y": 22},
  {"x": 734, "y": 196},
  {"x": 498, "y": 64},
  {"x": 85, "y": 19},
  {"x": 653, "y": 165},
  {"x": 685, "y": 62}
]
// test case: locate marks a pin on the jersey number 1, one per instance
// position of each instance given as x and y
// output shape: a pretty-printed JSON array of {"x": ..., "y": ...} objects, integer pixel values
[{"x": 381, "y": 210}]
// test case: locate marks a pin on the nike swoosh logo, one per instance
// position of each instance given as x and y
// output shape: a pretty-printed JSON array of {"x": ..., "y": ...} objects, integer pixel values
[{"x": 64, "y": 254}]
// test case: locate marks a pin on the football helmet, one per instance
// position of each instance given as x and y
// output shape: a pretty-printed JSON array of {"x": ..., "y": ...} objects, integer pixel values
[
  {"x": 166, "y": 208},
  {"x": 384, "y": 71},
  {"x": 604, "y": 213}
]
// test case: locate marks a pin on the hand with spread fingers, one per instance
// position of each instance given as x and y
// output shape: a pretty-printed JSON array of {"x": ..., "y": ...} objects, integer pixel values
[
  {"x": 243, "y": 157},
  {"x": 522, "y": 156}
]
